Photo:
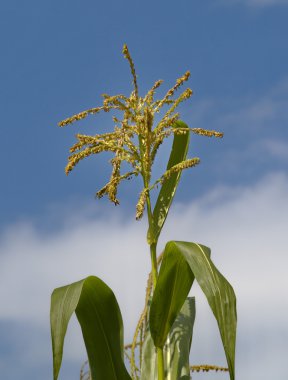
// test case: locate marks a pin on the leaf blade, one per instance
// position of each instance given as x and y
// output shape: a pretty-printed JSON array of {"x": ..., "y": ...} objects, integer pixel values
[
  {"x": 61, "y": 300},
  {"x": 176, "y": 349},
  {"x": 168, "y": 189},
  {"x": 178, "y": 345},
  {"x": 100, "y": 319},
  {"x": 173, "y": 285},
  {"x": 219, "y": 293}
]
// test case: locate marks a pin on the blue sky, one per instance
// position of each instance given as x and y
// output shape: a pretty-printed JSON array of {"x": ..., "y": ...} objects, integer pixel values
[{"x": 57, "y": 58}]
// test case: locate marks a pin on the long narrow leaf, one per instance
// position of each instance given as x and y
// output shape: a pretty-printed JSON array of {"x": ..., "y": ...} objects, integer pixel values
[
  {"x": 100, "y": 319},
  {"x": 218, "y": 291},
  {"x": 173, "y": 285},
  {"x": 176, "y": 349},
  {"x": 168, "y": 189},
  {"x": 178, "y": 344}
]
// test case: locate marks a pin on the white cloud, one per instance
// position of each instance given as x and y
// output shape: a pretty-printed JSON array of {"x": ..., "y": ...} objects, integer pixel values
[
  {"x": 275, "y": 148},
  {"x": 246, "y": 229}
]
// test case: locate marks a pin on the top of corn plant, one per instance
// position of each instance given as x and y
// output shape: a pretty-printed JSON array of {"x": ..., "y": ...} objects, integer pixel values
[{"x": 135, "y": 139}]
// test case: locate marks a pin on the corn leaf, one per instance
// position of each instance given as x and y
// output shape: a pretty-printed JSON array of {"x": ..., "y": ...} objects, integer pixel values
[
  {"x": 176, "y": 349},
  {"x": 173, "y": 285},
  {"x": 219, "y": 293},
  {"x": 100, "y": 319},
  {"x": 168, "y": 188}
]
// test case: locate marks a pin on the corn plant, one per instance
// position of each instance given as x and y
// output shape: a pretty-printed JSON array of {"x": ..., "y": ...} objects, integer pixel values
[{"x": 164, "y": 332}]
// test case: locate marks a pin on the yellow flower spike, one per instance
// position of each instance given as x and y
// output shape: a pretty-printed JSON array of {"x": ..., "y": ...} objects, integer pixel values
[
  {"x": 105, "y": 188},
  {"x": 127, "y": 55},
  {"x": 140, "y": 207},
  {"x": 179, "y": 167},
  {"x": 205, "y": 132},
  {"x": 170, "y": 93},
  {"x": 207, "y": 368},
  {"x": 184, "y": 96},
  {"x": 134, "y": 140},
  {"x": 80, "y": 116},
  {"x": 150, "y": 94}
]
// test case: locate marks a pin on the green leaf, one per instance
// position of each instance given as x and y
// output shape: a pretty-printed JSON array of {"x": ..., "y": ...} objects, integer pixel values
[
  {"x": 173, "y": 285},
  {"x": 168, "y": 189},
  {"x": 218, "y": 291},
  {"x": 176, "y": 349},
  {"x": 178, "y": 345},
  {"x": 100, "y": 319}
]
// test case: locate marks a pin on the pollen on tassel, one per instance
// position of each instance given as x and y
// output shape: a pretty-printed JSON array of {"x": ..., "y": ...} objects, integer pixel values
[
  {"x": 206, "y": 132},
  {"x": 136, "y": 124},
  {"x": 181, "y": 166},
  {"x": 140, "y": 207}
]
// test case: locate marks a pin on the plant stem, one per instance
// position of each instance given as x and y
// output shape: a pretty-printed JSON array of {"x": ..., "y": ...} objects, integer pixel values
[
  {"x": 160, "y": 359},
  {"x": 160, "y": 363},
  {"x": 153, "y": 244},
  {"x": 154, "y": 263}
]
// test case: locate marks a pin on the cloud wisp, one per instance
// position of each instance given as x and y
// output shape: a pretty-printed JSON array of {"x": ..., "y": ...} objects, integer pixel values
[
  {"x": 246, "y": 227},
  {"x": 255, "y": 130}
]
